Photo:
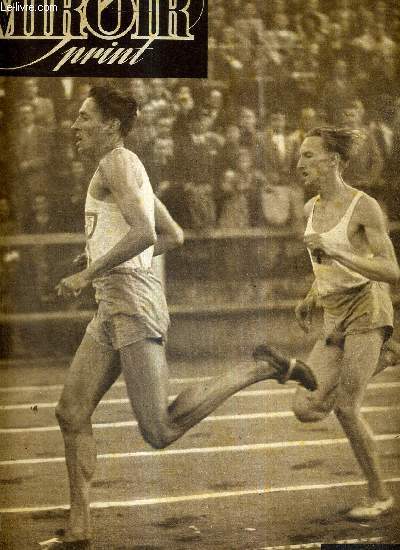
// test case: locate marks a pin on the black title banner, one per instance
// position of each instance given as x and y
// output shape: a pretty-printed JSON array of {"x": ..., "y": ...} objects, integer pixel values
[{"x": 109, "y": 38}]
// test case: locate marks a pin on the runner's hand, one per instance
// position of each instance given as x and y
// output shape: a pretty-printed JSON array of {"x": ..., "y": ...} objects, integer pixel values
[
  {"x": 73, "y": 285},
  {"x": 321, "y": 246}
]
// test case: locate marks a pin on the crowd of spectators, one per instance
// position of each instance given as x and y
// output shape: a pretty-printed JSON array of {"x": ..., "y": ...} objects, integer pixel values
[{"x": 222, "y": 152}]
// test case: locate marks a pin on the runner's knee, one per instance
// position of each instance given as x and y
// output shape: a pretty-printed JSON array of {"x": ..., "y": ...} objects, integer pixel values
[
  {"x": 70, "y": 418},
  {"x": 156, "y": 434},
  {"x": 306, "y": 409}
]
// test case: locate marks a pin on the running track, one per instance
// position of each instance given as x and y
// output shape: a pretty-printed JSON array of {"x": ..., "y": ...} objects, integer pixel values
[{"x": 249, "y": 477}]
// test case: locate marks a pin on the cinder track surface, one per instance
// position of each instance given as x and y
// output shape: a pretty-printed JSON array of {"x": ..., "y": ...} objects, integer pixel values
[{"x": 249, "y": 477}]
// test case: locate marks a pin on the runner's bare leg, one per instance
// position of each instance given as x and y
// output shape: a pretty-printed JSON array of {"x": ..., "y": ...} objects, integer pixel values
[
  {"x": 361, "y": 356},
  {"x": 146, "y": 373},
  {"x": 93, "y": 370}
]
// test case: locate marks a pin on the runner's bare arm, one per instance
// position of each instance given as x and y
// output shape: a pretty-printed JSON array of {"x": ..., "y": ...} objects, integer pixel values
[
  {"x": 308, "y": 207},
  {"x": 124, "y": 184},
  {"x": 169, "y": 233},
  {"x": 382, "y": 264},
  {"x": 312, "y": 294},
  {"x": 305, "y": 307}
]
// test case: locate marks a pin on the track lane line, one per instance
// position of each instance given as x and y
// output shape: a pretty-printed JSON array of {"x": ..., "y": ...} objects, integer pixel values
[
  {"x": 305, "y": 545},
  {"x": 212, "y": 418},
  {"x": 125, "y": 400},
  {"x": 196, "y": 497},
  {"x": 13, "y": 389},
  {"x": 203, "y": 450},
  {"x": 120, "y": 384},
  {"x": 245, "y": 393}
]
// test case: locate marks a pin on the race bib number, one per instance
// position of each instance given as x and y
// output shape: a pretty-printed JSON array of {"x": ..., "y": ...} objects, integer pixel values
[{"x": 90, "y": 223}]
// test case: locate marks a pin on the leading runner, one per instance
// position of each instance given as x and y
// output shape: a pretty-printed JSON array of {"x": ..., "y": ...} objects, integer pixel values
[
  {"x": 353, "y": 262},
  {"x": 129, "y": 328}
]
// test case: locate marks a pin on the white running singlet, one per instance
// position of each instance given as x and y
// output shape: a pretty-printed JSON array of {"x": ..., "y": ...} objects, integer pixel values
[
  {"x": 105, "y": 225},
  {"x": 332, "y": 276}
]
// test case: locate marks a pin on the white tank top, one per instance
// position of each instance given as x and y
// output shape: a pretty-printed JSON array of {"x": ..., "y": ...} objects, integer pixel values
[
  {"x": 332, "y": 276},
  {"x": 105, "y": 225}
]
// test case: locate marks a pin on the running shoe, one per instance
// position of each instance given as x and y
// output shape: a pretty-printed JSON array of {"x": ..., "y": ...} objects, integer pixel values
[
  {"x": 287, "y": 369},
  {"x": 371, "y": 509}
]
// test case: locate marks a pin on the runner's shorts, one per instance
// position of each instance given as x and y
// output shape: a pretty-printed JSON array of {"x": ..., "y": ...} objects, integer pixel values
[
  {"x": 358, "y": 310},
  {"x": 131, "y": 307}
]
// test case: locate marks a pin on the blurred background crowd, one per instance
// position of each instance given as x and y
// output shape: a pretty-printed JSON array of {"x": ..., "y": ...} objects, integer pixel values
[{"x": 222, "y": 152}]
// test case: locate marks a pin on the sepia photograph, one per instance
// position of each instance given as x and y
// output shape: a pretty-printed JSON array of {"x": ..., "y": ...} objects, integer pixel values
[{"x": 199, "y": 274}]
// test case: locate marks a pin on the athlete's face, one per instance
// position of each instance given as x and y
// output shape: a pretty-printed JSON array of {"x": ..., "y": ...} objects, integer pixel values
[
  {"x": 91, "y": 130},
  {"x": 315, "y": 162}
]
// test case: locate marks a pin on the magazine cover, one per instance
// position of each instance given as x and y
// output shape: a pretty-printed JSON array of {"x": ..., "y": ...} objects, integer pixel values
[{"x": 199, "y": 245}]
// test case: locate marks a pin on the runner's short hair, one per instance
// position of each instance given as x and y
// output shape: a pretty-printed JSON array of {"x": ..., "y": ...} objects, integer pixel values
[
  {"x": 337, "y": 140},
  {"x": 114, "y": 104}
]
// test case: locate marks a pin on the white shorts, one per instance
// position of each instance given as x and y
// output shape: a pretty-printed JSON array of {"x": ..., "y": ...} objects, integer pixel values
[{"x": 131, "y": 307}]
